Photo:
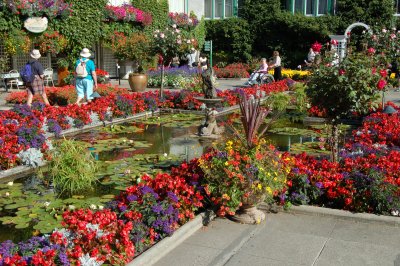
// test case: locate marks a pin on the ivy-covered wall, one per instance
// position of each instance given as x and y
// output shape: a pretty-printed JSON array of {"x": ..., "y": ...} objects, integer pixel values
[{"x": 84, "y": 27}]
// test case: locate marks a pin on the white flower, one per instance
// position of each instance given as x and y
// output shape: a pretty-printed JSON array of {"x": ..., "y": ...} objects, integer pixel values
[
  {"x": 384, "y": 30},
  {"x": 46, "y": 204},
  {"x": 101, "y": 207},
  {"x": 157, "y": 31},
  {"x": 7, "y": 194},
  {"x": 179, "y": 36},
  {"x": 130, "y": 141},
  {"x": 10, "y": 183},
  {"x": 178, "y": 30},
  {"x": 165, "y": 154},
  {"x": 188, "y": 41},
  {"x": 155, "y": 35},
  {"x": 124, "y": 140},
  {"x": 179, "y": 42},
  {"x": 190, "y": 20},
  {"x": 93, "y": 207},
  {"x": 71, "y": 207},
  {"x": 174, "y": 26},
  {"x": 192, "y": 40},
  {"x": 127, "y": 171},
  {"x": 394, "y": 29},
  {"x": 162, "y": 35},
  {"x": 395, "y": 213}
]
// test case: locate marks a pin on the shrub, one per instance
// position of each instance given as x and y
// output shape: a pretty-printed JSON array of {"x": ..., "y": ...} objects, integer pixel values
[
  {"x": 232, "y": 36},
  {"x": 72, "y": 168},
  {"x": 235, "y": 70}
]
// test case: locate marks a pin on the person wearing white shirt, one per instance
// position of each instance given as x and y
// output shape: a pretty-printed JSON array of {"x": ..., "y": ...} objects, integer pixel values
[
  {"x": 276, "y": 65},
  {"x": 193, "y": 58}
]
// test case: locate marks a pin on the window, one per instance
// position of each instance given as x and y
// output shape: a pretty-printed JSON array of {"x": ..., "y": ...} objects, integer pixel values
[
  {"x": 208, "y": 8},
  {"x": 397, "y": 7},
  {"x": 176, "y": 6},
  {"x": 228, "y": 8},
  {"x": 218, "y": 13},
  {"x": 298, "y": 6},
  {"x": 322, "y": 7},
  {"x": 310, "y": 7}
]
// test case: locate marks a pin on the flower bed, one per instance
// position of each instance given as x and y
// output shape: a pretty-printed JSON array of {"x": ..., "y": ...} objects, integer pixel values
[
  {"x": 138, "y": 218},
  {"x": 22, "y": 123},
  {"x": 236, "y": 70},
  {"x": 181, "y": 77},
  {"x": 293, "y": 74}
]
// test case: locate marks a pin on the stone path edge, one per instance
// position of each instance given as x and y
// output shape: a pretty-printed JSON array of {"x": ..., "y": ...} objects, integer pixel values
[
  {"x": 342, "y": 214},
  {"x": 159, "y": 250}
]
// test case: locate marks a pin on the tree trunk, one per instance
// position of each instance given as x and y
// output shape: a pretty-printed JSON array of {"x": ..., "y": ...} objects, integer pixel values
[
  {"x": 162, "y": 81},
  {"x": 335, "y": 142}
]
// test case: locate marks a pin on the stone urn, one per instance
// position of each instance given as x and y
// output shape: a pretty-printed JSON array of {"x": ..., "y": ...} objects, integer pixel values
[
  {"x": 248, "y": 212},
  {"x": 137, "y": 82}
]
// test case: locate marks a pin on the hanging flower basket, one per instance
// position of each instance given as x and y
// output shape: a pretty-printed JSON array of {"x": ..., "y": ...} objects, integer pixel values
[{"x": 36, "y": 24}]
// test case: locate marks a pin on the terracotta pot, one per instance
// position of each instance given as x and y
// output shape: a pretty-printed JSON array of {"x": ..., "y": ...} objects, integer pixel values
[
  {"x": 137, "y": 82},
  {"x": 62, "y": 74}
]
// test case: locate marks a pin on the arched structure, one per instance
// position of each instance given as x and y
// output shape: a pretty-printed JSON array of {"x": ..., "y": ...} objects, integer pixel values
[{"x": 342, "y": 39}]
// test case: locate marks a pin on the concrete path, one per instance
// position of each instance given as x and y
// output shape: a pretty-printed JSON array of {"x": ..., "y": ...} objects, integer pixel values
[{"x": 289, "y": 239}]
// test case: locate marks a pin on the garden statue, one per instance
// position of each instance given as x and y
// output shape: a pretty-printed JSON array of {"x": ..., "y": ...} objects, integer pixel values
[
  {"x": 208, "y": 84},
  {"x": 210, "y": 127}
]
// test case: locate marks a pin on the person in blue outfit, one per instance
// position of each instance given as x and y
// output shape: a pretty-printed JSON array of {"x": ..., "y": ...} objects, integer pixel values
[{"x": 85, "y": 77}]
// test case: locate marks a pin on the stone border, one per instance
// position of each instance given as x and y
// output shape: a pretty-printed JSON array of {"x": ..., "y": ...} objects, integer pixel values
[
  {"x": 341, "y": 214},
  {"x": 159, "y": 250}
]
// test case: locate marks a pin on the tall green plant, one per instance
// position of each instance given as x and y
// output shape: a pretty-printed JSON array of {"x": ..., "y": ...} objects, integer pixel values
[{"x": 72, "y": 169}]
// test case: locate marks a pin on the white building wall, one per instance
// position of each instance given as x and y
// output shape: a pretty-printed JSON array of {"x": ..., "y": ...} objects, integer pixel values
[
  {"x": 118, "y": 2},
  {"x": 197, "y": 6}
]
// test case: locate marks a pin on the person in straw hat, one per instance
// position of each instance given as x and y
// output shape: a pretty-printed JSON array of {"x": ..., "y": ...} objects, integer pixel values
[
  {"x": 36, "y": 86},
  {"x": 85, "y": 76}
]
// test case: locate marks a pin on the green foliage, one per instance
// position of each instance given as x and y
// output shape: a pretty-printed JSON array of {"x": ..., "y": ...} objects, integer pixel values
[
  {"x": 278, "y": 101},
  {"x": 84, "y": 27},
  {"x": 200, "y": 32},
  {"x": 159, "y": 10},
  {"x": 340, "y": 94},
  {"x": 72, "y": 168},
  {"x": 371, "y": 12},
  {"x": 231, "y": 35}
]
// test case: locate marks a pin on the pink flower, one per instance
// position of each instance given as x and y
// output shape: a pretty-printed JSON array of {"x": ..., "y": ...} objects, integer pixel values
[
  {"x": 383, "y": 73},
  {"x": 384, "y": 30},
  {"x": 179, "y": 42},
  {"x": 178, "y": 30},
  {"x": 381, "y": 84},
  {"x": 392, "y": 36},
  {"x": 371, "y": 50},
  {"x": 162, "y": 35}
]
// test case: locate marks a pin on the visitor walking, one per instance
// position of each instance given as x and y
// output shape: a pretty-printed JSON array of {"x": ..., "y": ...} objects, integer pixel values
[
  {"x": 263, "y": 69},
  {"x": 276, "y": 65},
  {"x": 203, "y": 61},
  {"x": 34, "y": 84},
  {"x": 85, "y": 76},
  {"x": 192, "y": 58}
]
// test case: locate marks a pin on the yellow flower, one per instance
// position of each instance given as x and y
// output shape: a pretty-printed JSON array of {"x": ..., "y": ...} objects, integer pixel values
[
  {"x": 259, "y": 186},
  {"x": 226, "y": 163},
  {"x": 269, "y": 190}
]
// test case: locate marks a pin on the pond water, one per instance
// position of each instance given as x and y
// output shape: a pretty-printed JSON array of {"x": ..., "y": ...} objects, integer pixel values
[{"x": 30, "y": 206}]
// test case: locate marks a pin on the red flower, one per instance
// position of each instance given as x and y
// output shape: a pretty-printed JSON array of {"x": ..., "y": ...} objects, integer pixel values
[
  {"x": 381, "y": 84},
  {"x": 341, "y": 72}
]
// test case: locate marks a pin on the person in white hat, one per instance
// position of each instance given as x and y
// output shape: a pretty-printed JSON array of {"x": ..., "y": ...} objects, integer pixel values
[
  {"x": 34, "y": 84},
  {"x": 85, "y": 77}
]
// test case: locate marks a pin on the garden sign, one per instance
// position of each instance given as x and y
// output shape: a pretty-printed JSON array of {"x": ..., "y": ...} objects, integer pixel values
[{"x": 36, "y": 24}]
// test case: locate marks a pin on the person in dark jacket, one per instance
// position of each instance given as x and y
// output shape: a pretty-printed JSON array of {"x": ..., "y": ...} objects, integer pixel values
[{"x": 36, "y": 86}]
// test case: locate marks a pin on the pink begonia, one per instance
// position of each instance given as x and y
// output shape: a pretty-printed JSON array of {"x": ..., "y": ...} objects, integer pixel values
[
  {"x": 162, "y": 35},
  {"x": 178, "y": 30},
  {"x": 179, "y": 42},
  {"x": 393, "y": 36}
]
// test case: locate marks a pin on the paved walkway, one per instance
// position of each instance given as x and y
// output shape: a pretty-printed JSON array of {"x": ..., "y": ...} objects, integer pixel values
[{"x": 289, "y": 239}]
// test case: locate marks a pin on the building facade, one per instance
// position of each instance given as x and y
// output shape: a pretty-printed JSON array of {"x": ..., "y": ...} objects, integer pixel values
[
  {"x": 210, "y": 9},
  {"x": 311, "y": 7}
]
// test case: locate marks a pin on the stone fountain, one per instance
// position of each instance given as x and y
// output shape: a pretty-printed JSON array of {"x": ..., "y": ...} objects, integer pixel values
[
  {"x": 210, "y": 128},
  {"x": 210, "y": 98}
]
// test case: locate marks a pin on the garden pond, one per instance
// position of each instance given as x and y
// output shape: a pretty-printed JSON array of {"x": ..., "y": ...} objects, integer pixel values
[{"x": 30, "y": 206}]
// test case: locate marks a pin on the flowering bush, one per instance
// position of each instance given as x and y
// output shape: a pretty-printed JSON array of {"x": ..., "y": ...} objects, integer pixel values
[
  {"x": 127, "y": 13},
  {"x": 17, "y": 42},
  {"x": 40, "y": 8},
  {"x": 236, "y": 70}
]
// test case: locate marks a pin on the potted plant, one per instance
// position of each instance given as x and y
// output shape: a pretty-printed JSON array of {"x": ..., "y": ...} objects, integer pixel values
[
  {"x": 244, "y": 171},
  {"x": 135, "y": 49},
  {"x": 62, "y": 70}
]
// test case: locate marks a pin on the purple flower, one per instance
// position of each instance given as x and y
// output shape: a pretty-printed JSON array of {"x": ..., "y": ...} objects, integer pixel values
[
  {"x": 157, "y": 208},
  {"x": 131, "y": 198},
  {"x": 172, "y": 196},
  {"x": 319, "y": 185}
]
